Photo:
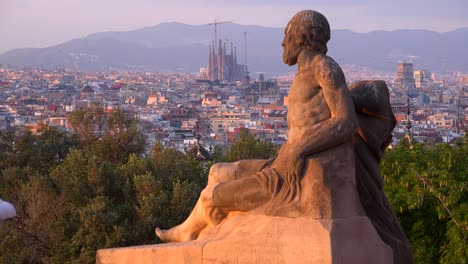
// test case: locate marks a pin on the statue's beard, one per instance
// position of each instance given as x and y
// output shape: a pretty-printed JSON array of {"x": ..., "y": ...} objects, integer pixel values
[
  {"x": 290, "y": 54},
  {"x": 289, "y": 59}
]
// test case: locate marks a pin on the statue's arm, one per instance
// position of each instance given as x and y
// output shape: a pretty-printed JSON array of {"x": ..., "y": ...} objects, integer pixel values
[{"x": 342, "y": 124}]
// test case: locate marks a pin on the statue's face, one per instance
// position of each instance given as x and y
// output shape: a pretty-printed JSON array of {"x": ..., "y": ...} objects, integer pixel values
[{"x": 291, "y": 49}]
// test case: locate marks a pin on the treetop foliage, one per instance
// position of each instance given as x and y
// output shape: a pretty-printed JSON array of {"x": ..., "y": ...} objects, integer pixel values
[
  {"x": 79, "y": 192},
  {"x": 427, "y": 186}
]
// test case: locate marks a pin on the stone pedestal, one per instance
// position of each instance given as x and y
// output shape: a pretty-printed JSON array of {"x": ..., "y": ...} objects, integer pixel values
[{"x": 250, "y": 238}]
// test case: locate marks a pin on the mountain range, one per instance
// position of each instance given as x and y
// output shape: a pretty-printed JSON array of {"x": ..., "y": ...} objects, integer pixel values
[{"x": 172, "y": 47}]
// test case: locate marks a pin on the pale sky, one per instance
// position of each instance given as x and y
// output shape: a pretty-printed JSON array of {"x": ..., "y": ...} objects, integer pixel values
[{"x": 42, "y": 23}]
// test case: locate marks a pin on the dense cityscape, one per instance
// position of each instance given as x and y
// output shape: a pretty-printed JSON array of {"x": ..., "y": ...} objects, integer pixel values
[{"x": 173, "y": 108}]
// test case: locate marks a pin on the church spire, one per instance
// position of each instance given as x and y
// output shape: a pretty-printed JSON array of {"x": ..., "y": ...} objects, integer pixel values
[
  {"x": 235, "y": 55},
  {"x": 210, "y": 65},
  {"x": 214, "y": 67}
]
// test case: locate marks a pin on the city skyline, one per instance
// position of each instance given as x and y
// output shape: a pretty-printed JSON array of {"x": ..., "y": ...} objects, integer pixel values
[{"x": 42, "y": 23}]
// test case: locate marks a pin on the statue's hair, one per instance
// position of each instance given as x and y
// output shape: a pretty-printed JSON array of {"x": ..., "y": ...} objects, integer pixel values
[{"x": 310, "y": 30}]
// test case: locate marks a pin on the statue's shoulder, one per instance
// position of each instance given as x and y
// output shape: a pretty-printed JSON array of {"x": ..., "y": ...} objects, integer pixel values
[{"x": 326, "y": 67}]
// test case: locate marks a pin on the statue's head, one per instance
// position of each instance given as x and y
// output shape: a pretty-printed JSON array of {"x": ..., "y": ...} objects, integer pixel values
[{"x": 308, "y": 29}]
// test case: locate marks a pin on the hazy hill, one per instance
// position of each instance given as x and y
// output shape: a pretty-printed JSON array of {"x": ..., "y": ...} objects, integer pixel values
[{"x": 179, "y": 47}]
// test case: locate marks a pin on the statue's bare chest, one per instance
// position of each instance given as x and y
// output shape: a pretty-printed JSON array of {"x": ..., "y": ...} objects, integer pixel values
[{"x": 303, "y": 89}]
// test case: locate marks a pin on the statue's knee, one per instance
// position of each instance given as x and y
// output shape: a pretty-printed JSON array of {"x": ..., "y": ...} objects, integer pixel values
[
  {"x": 206, "y": 195},
  {"x": 221, "y": 172}
]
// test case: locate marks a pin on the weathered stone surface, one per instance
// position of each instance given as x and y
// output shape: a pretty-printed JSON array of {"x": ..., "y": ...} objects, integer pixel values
[
  {"x": 250, "y": 238},
  {"x": 376, "y": 122},
  {"x": 188, "y": 252},
  {"x": 328, "y": 187}
]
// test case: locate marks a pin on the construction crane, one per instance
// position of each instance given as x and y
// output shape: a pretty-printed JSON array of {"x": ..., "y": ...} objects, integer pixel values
[
  {"x": 216, "y": 23},
  {"x": 245, "y": 48}
]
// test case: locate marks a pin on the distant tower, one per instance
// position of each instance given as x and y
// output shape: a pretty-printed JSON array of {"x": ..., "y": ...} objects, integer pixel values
[
  {"x": 222, "y": 66},
  {"x": 261, "y": 77},
  {"x": 214, "y": 67},
  {"x": 422, "y": 78},
  {"x": 210, "y": 63},
  {"x": 219, "y": 62},
  {"x": 246, "y": 69},
  {"x": 232, "y": 67},
  {"x": 223, "y": 63},
  {"x": 405, "y": 76},
  {"x": 235, "y": 55}
]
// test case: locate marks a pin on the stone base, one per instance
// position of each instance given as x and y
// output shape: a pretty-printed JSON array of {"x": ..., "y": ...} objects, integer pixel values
[{"x": 249, "y": 238}]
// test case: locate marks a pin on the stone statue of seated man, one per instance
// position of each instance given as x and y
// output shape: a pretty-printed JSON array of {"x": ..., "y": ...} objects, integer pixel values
[{"x": 316, "y": 172}]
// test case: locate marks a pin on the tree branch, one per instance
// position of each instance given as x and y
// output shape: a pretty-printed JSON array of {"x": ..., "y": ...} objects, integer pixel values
[{"x": 426, "y": 183}]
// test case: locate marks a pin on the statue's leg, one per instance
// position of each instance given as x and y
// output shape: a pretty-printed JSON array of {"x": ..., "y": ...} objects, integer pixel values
[
  {"x": 202, "y": 216},
  {"x": 215, "y": 202},
  {"x": 240, "y": 192},
  {"x": 205, "y": 213},
  {"x": 243, "y": 194}
]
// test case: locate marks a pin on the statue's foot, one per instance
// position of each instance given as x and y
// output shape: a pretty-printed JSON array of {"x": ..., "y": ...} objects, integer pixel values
[
  {"x": 205, "y": 214},
  {"x": 175, "y": 234}
]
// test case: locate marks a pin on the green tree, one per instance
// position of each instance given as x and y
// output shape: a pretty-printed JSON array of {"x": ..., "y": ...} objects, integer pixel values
[
  {"x": 40, "y": 151},
  {"x": 247, "y": 146},
  {"x": 427, "y": 187},
  {"x": 88, "y": 123},
  {"x": 76, "y": 193},
  {"x": 111, "y": 137},
  {"x": 7, "y": 139},
  {"x": 183, "y": 177}
]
